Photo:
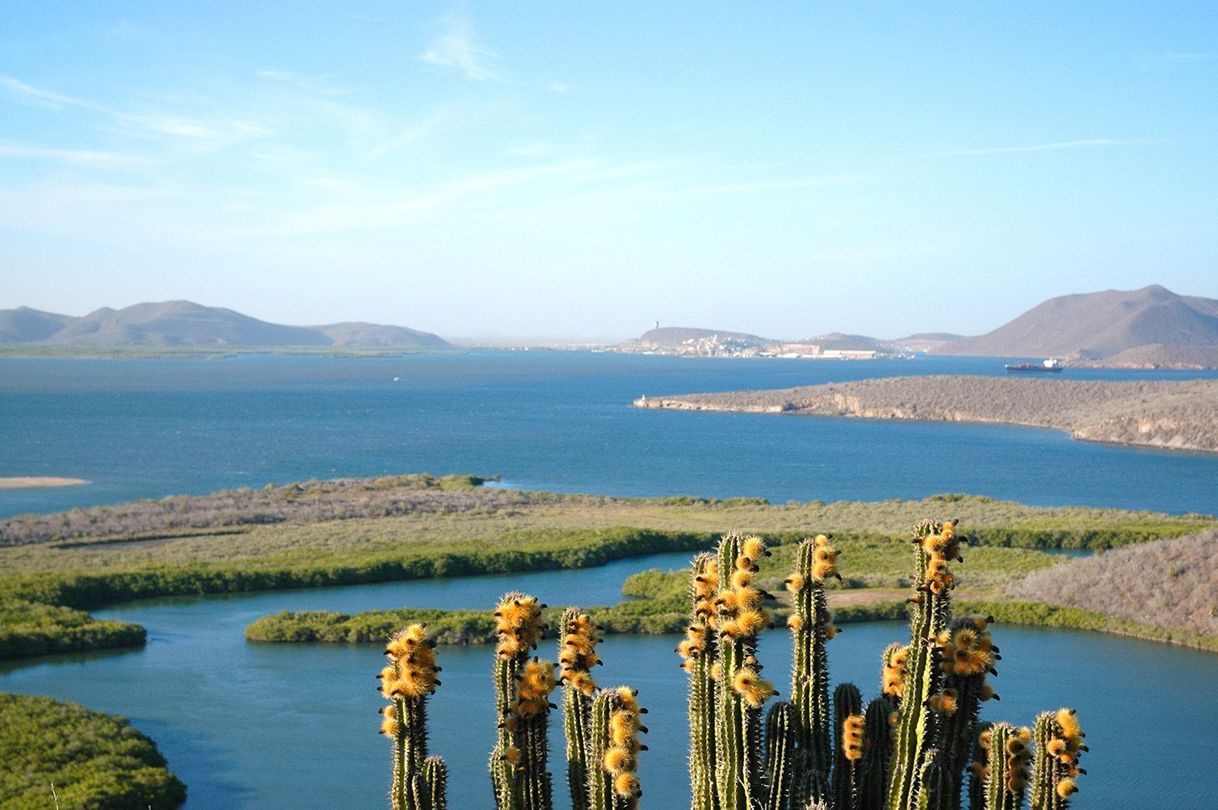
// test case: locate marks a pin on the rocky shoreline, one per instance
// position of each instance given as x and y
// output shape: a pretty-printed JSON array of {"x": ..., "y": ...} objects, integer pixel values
[{"x": 1168, "y": 415}]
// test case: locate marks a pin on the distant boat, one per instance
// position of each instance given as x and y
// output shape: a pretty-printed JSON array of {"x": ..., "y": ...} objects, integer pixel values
[{"x": 1051, "y": 365}]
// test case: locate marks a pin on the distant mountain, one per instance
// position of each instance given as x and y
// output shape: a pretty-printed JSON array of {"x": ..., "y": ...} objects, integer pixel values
[
  {"x": 378, "y": 335},
  {"x": 1102, "y": 325},
  {"x": 670, "y": 337},
  {"x": 844, "y": 342},
  {"x": 25, "y": 325},
  {"x": 928, "y": 342},
  {"x": 184, "y": 323}
]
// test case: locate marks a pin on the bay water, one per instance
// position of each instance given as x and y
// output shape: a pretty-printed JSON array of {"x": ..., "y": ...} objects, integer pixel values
[{"x": 269, "y": 726}]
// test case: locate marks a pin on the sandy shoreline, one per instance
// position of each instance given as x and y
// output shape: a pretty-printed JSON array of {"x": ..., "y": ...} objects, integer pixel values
[{"x": 39, "y": 482}]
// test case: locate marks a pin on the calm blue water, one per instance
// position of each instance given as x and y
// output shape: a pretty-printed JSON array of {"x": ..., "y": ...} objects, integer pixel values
[
  {"x": 557, "y": 421},
  {"x": 269, "y": 726},
  {"x": 293, "y": 726}
]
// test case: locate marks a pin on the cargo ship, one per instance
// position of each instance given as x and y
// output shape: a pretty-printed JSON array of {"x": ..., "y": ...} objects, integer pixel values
[{"x": 1050, "y": 366}]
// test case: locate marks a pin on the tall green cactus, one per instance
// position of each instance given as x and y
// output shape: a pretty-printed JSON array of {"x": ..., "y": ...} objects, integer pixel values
[
  {"x": 966, "y": 655},
  {"x": 576, "y": 657},
  {"x": 979, "y": 769},
  {"x": 848, "y": 723},
  {"x": 699, "y": 652},
  {"x": 815, "y": 561},
  {"x": 406, "y": 681},
  {"x": 740, "y": 691},
  {"x": 1059, "y": 742},
  {"x": 518, "y": 765},
  {"x": 1007, "y": 755},
  {"x": 935, "y": 545},
  {"x": 780, "y": 738},
  {"x": 613, "y": 749},
  {"x": 877, "y": 752}
]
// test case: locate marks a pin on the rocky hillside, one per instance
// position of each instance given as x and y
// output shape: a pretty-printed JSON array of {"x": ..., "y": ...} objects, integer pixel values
[
  {"x": 1175, "y": 415},
  {"x": 184, "y": 323},
  {"x": 1103, "y": 325},
  {"x": 1184, "y": 593}
]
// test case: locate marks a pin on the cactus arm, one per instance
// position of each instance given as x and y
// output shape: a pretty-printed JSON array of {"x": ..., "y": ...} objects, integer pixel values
[
  {"x": 779, "y": 755},
  {"x": 576, "y": 657},
  {"x": 877, "y": 752},
  {"x": 435, "y": 778},
  {"x": 1059, "y": 743},
  {"x": 931, "y": 609},
  {"x": 699, "y": 653},
  {"x": 406, "y": 682},
  {"x": 848, "y": 724},
  {"x": 740, "y": 690},
  {"x": 522, "y": 688}
]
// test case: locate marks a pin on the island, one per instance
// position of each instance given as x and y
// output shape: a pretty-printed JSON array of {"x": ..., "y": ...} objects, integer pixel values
[
  {"x": 38, "y": 482},
  {"x": 1175, "y": 415}
]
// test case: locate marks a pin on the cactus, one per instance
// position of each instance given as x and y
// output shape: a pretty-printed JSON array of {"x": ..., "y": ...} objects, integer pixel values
[
  {"x": 935, "y": 545},
  {"x": 966, "y": 654},
  {"x": 1059, "y": 742},
  {"x": 576, "y": 657},
  {"x": 522, "y": 698},
  {"x": 816, "y": 560},
  {"x": 848, "y": 753},
  {"x": 406, "y": 681},
  {"x": 740, "y": 691},
  {"x": 613, "y": 749},
  {"x": 1007, "y": 776},
  {"x": 877, "y": 751},
  {"x": 700, "y": 657},
  {"x": 908, "y": 750},
  {"x": 780, "y": 733},
  {"x": 980, "y": 767}
]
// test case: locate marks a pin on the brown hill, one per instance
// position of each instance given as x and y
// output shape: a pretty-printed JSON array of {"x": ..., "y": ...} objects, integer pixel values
[
  {"x": 1096, "y": 326},
  {"x": 184, "y": 323}
]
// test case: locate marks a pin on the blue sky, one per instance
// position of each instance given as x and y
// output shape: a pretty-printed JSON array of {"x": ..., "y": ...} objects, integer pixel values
[{"x": 564, "y": 169}]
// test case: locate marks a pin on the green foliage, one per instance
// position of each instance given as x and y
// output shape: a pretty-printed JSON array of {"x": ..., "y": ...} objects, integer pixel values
[
  {"x": 33, "y": 628},
  {"x": 94, "y": 760}
]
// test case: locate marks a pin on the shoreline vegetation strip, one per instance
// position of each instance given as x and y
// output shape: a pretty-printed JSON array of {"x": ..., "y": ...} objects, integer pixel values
[
  {"x": 324, "y": 533},
  {"x": 60, "y": 754}
]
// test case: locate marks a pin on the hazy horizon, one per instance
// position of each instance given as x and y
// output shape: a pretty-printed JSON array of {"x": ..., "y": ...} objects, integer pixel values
[{"x": 553, "y": 172}]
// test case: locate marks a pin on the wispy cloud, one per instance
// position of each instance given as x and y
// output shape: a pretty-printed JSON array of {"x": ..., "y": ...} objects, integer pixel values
[
  {"x": 155, "y": 123},
  {"x": 44, "y": 98},
  {"x": 1053, "y": 146},
  {"x": 458, "y": 47},
  {"x": 92, "y": 158}
]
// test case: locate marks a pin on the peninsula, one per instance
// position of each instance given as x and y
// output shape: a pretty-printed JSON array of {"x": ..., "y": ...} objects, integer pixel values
[{"x": 1172, "y": 415}]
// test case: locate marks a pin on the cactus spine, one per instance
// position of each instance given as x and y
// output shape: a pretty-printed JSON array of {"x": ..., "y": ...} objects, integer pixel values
[
  {"x": 1059, "y": 742},
  {"x": 816, "y": 560},
  {"x": 522, "y": 698},
  {"x": 406, "y": 681}
]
